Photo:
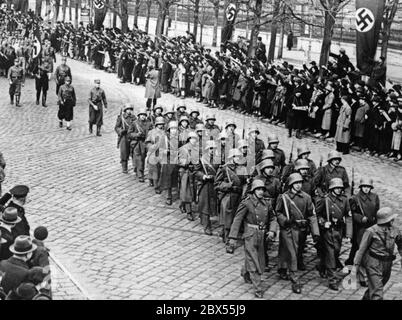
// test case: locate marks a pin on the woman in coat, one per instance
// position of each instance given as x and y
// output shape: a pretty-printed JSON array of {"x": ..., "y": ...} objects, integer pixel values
[
  {"x": 342, "y": 135},
  {"x": 360, "y": 122},
  {"x": 152, "y": 87},
  {"x": 258, "y": 218},
  {"x": 327, "y": 109}
]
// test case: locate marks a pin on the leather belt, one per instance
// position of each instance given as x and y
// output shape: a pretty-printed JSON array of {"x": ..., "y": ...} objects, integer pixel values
[
  {"x": 382, "y": 258},
  {"x": 256, "y": 226}
]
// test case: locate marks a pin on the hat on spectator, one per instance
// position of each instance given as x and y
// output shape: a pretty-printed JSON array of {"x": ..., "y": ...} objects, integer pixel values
[
  {"x": 10, "y": 216},
  {"x": 26, "y": 291},
  {"x": 210, "y": 117},
  {"x": 41, "y": 233},
  {"x": 22, "y": 245},
  {"x": 97, "y": 81},
  {"x": 19, "y": 191}
]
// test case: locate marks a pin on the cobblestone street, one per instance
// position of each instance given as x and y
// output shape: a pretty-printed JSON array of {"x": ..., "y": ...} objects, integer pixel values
[{"x": 114, "y": 238}]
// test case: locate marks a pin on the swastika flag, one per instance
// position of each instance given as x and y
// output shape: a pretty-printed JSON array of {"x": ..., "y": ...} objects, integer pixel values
[{"x": 368, "y": 24}]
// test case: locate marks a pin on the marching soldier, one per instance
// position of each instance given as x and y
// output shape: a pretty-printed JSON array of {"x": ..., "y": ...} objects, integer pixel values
[
  {"x": 137, "y": 134},
  {"x": 333, "y": 213},
  {"x": 376, "y": 253},
  {"x": 194, "y": 118},
  {"x": 295, "y": 212},
  {"x": 255, "y": 144},
  {"x": 169, "y": 169},
  {"x": 124, "y": 122},
  {"x": 184, "y": 130},
  {"x": 232, "y": 137},
  {"x": 158, "y": 112},
  {"x": 212, "y": 129},
  {"x": 223, "y": 147},
  {"x": 188, "y": 157},
  {"x": 364, "y": 206},
  {"x": 202, "y": 138},
  {"x": 169, "y": 117},
  {"x": 302, "y": 153},
  {"x": 267, "y": 154},
  {"x": 230, "y": 180},
  {"x": 280, "y": 158},
  {"x": 258, "y": 217},
  {"x": 181, "y": 111},
  {"x": 325, "y": 174},
  {"x": 205, "y": 172},
  {"x": 16, "y": 78},
  {"x": 62, "y": 71},
  {"x": 97, "y": 101},
  {"x": 153, "y": 141},
  {"x": 66, "y": 101}
]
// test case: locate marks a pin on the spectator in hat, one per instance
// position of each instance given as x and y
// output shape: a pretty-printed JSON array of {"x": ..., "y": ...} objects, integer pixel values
[
  {"x": 289, "y": 42},
  {"x": 360, "y": 123},
  {"x": 20, "y": 193},
  {"x": 16, "y": 269},
  {"x": 25, "y": 291},
  {"x": 343, "y": 126},
  {"x": 2, "y": 167},
  {"x": 40, "y": 257},
  {"x": 152, "y": 87},
  {"x": 378, "y": 73},
  {"x": 8, "y": 220}
]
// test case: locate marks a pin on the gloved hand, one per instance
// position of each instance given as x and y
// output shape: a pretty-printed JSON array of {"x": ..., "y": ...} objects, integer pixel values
[
  {"x": 364, "y": 220},
  {"x": 123, "y": 132},
  {"x": 287, "y": 223},
  {"x": 316, "y": 238},
  {"x": 271, "y": 236}
]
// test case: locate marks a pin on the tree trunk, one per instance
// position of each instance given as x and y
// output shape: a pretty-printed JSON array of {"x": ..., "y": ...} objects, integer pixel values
[
  {"x": 274, "y": 31},
  {"x": 162, "y": 10},
  {"x": 100, "y": 16},
  {"x": 114, "y": 18},
  {"x": 196, "y": 17},
  {"x": 149, "y": 3},
  {"x": 216, "y": 20},
  {"x": 281, "y": 37},
  {"x": 77, "y": 5},
  {"x": 56, "y": 10},
  {"x": 136, "y": 12},
  {"x": 256, "y": 28},
  {"x": 64, "y": 9},
  {"x": 326, "y": 42},
  {"x": 70, "y": 6},
  {"x": 386, "y": 32},
  {"x": 124, "y": 15},
  {"x": 38, "y": 7},
  {"x": 188, "y": 17},
  {"x": 167, "y": 23}
]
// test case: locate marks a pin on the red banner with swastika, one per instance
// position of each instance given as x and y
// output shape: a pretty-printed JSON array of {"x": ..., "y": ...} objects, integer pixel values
[{"x": 369, "y": 15}]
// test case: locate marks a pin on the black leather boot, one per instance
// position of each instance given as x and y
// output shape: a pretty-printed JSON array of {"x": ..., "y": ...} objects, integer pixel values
[
  {"x": 90, "y": 129},
  {"x": 11, "y": 99},
  {"x": 43, "y": 100},
  {"x": 98, "y": 129}
]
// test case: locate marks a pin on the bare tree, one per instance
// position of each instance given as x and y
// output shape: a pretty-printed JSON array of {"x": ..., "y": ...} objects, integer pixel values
[
  {"x": 114, "y": 20},
  {"x": 64, "y": 9},
  {"x": 216, "y": 4},
  {"x": 38, "y": 7},
  {"x": 256, "y": 28},
  {"x": 163, "y": 10},
  {"x": 70, "y": 5},
  {"x": 124, "y": 15},
  {"x": 77, "y": 5},
  {"x": 274, "y": 31},
  {"x": 149, "y": 4},
  {"x": 136, "y": 11},
  {"x": 391, "y": 6}
]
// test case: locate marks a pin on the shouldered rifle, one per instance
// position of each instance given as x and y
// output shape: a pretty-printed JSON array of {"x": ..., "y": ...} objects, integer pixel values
[
  {"x": 321, "y": 159},
  {"x": 244, "y": 128},
  {"x": 353, "y": 182},
  {"x": 291, "y": 152}
]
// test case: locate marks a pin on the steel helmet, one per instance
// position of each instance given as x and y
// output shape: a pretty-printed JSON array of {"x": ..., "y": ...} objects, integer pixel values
[
  {"x": 302, "y": 150},
  {"x": 301, "y": 164},
  {"x": 335, "y": 183},
  {"x": 199, "y": 127},
  {"x": 172, "y": 124},
  {"x": 142, "y": 111},
  {"x": 210, "y": 117},
  {"x": 230, "y": 123},
  {"x": 195, "y": 111},
  {"x": 242, "y": 143},
  {"x": 366, "y": 182},
  {"x": 385, "y": 215},
  {"x": 159, "y": 120},
  {"x": 222, "y": 135},
  {"x": 181, "y": 105},
  {"x": 267, "y": 163},
  {"x": 234, "y": 153},
  {"x": 253, "y": 129},
  {"x": 267, "y": 154},
  {"x": 294, "y": 177},
  {"x": 273, "y": 138},
  {"x": 256, "y": 184},
  {"x": 128, "y": 106},
  {"x": 158, "y": 107},
  {"x": 210, "y": 144},
  {"x": 184, "y": 118},
  {"x": 192, "y": 134},
  {"x": 334, "y": 155}
]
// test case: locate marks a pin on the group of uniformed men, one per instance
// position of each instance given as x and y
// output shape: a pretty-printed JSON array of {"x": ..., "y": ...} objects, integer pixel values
[{"x": 255, "y": 192}]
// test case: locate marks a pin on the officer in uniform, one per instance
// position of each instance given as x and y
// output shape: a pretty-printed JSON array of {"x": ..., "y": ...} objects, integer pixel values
[
  {"x": 332, "y": 170},
  {"x": 188, "y": 157},
  {"x": 169, "y": 168},
  {"x": 205, "y": 172},
  {"x": 258, "y": 217},
  {"x": 137, "y": 134},
  {"x": 97, "y": 101},
  {"x": 66, "y": 101},
  {"x": 16, "y": 79},
  {"x": 376, "y": 253},
  {"x": 211, "y": 128},
  {"x": 364, "y": 205},
  {"x": 124, "y": 122},
  {"x": 19, "y": 197},
  {"x": 333, "y": 213},
  {"x": 230, "y": 180},
  {"x": 8, "y": 220},
  {"x": 153, "y": 142},
  {"x": 62, "y": 71},
  {"x": 295, "y": 212},
  {"x": 41, "y": 82},
  {"x": 280, "y": 158},
  {"x": 194, "y": 118}
]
